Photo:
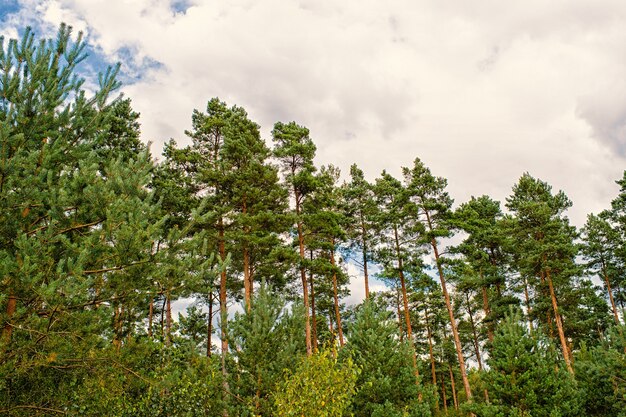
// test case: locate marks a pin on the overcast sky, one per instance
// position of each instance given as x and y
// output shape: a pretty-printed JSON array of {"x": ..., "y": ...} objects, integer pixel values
[{"x": 481, "y": 91}]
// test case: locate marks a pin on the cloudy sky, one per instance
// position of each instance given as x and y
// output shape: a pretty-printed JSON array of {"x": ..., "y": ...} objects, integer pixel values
[{"x": 481, "y": 91}]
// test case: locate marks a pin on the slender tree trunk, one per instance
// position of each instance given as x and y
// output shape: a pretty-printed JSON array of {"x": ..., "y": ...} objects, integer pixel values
[
  {"x": 405, "y": 302},
  {"x": 313, "y": 313},
  {"x": 621, "y": 302},
  {"x": 330, "y": 325},
  {"x": 528, "y": 310},
  {"x": 453, "y": 385},
  {"x": 559, "y": 324},
  {"x": 487, "y": 308},
  {"x": 209, "y": 326},
  {"x": 608, "y": 289},
  {"x": 405, "y": 298},
  {"x": 430, "y": 348},
  {"x": 455, "y": 333},
  {"x": 223, "y": 311},
  {"x": 246, "y": 279},
  {"x": 223, "y": 300},
  {"x": 305, "y": 292},
  {"x": 7, "y": 332},
  {"x": 247, "y": 284},
  {"x": 443, "y": 392},
  {"x": 116, "y": 329},
  {"x": 474, "y": 332},
  {"x": 150, "y": 315},
  {"x": 168, "y": 319},
  {"x": 364, "y": 244},
  {"x": 163, "y": 318},
  {"x": 335, "y": 294},
  {"x": 400, "y": 326}
]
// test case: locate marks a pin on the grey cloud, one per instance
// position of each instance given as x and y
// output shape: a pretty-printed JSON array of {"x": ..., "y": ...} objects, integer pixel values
[
  {"x": 481, "y": 91},
  {"x": 606, "y": 114}
]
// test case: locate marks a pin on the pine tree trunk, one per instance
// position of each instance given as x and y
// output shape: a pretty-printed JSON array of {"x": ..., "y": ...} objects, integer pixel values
[
  {"x": 487, "y": 309},
  {"x": 150, "y": 315},
  {"x": 335, "y": 294},
  {"x": 246, "y": 279},
  {"x": 116, "y": 329},
  {"x": 163, "y": 318},
  {"x": 7, "y": 332},
  {"x": 247, "y": 284},
  {"x": 474, "y": 333},
  {"x": 443, "y": 392},
  {"x": 168, "y": 319},
  {"x": 209, "y": 326},
  {"x": 405, "y": 302},
  {"x": 455, "y": 333},
  {"x": 305, "y": 292},
  {"x": 528, "y": 310},
  {"x": 405, "y": 298},
  {"x": 559, "y": 324},
  {"x": 223, "y": 300},
  {"x": 621, "y": 302},
  {"x": 313, "y": 313},
  {"x": 453, "y": 385},
  {"x": 608, "y": 289},
  {"x": 430, "y": 349},
  {"x": 364, "y": 244},
  {"x": 400, "y": 326}
]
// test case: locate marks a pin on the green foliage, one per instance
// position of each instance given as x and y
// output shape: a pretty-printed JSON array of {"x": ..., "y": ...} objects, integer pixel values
[
  {"x": 265, "y": 341},
  {"x": 96, "y": 243},
  {"x": 525, "y": 378},
  {"x": 386, "y": 384},
  {"x": 319, "y": 387},
  {"x": 601, "y": 376}
]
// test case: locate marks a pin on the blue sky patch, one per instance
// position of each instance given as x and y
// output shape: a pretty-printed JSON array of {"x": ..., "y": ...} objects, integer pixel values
[
  {"x": 8, "y": 7},
  {"x": 180, "y": 6}
]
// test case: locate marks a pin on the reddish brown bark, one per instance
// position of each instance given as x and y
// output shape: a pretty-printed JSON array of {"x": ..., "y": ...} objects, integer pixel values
[
  {"x": 247, "y": 284},
  {"x": 336, "y": 296},
  {"x": 443, "y": 392},
  {"x": 430, "y": 350},
  {"x": 209, "y": 326},
  {"x": 305, "y": 291},
  {"x": 474, "y": 332},
  {"x": 168, "y": 319},
  {"x": 453, "y": 385},
  {"x": 223, "y": 300},
  {"x": 455, "y": 333},
  {"x": 608, "y": 288},
  {"x": 313, "y": 312},
  {"x": 559, "y": 324},
  {"x": 405, "y": 298},
  {"x": 10, "y": 312},
  {"x": 487, "y": 309}
]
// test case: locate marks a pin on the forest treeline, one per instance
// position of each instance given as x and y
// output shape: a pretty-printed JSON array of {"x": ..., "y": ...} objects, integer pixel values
[{"x": 490, "y": 308}]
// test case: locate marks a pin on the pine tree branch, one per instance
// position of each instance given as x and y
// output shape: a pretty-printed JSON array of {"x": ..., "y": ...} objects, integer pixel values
[{"x": 32, "y": 407}]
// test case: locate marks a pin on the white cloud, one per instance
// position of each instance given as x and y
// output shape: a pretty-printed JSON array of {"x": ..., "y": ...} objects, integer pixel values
[{"x": 481, "y": 92}]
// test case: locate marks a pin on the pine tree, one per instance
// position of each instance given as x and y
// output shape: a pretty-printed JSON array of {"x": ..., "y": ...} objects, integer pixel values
[
  {"x": 295, "y": 151},
  {"x": 386, "y": 382},
  {"x": 524, "y": 377},
  {"x": 76, "y": 231},
  {"x": 359, "y": 205},
  {"x": 431, "y": 205},
  {"x": 544, "y": 242},
  {"x": 267, "y": 340},
  {"x": 601, "y": 246}
]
